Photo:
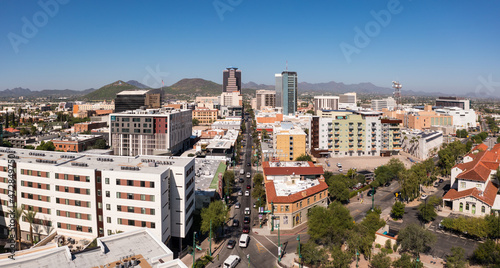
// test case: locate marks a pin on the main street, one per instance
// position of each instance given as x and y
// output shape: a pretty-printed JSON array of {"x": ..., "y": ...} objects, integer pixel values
[{"x": 259, "y": 255}]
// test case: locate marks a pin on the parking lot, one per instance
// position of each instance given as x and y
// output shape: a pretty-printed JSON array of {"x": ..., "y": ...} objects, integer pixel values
[{"x": 359, "y": 162}]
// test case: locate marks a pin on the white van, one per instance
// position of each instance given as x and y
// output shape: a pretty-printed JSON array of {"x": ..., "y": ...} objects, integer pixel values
[
  {"x": 232, "y": 261},
  {"x": 242, "y": 172},
  {"x": 244, "y": 239}
]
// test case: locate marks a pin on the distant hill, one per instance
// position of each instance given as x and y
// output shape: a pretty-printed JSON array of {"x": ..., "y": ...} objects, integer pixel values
[
  {"x": 137, "y": 84},
  {"x": 108, "y": 92},
  {"x": 194, "y": 86},
  {"x": 252, "y": 85},
  {"x": 54, "y": 93}
]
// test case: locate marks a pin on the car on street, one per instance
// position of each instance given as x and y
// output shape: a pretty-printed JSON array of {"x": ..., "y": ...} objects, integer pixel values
[
  {"x": 248, "y": 174},
  {"x": 237, "y": 205},
  {"x": 240, "y": 193},
  {"x": 436, "y": 184},
  {"x": 231, "y": 243},
  {"x": 246, "y": 229},
  {"x": 242, "y": 180},
  {"x": 371, "y": 192},
  {"x": 232, "y": 261},
  {"x": 441, "y": 180},
  {"x": 236, "y": 223},
  {"x": 423, "y": 196},
  {"x": 339, "y": 165},
  {"x": 247, "y": 211},
  {"x": 387, "y": 184},
  {"x": 340, "y": 169},
  {"x": 246, "y": 219},
  {"x": 247, "y": 193},
  {"x": 248, "y": 187},
  {"x": 248, "y": 164}
]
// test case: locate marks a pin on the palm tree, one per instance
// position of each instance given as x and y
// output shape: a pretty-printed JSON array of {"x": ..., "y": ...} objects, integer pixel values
[
  {"x": 30, "y": 217},
  {"x": 18, "y": 212}
]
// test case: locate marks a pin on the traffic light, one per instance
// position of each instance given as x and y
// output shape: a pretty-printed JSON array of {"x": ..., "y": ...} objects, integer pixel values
[{"x": 396, "y": 194}]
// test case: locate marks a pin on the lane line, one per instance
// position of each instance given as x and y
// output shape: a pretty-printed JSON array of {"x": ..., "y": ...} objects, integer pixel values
[{"x": 264, "y": 246}]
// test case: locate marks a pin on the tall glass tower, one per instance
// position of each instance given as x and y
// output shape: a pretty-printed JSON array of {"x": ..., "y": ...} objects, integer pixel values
[{"x": 286, "y": 92}]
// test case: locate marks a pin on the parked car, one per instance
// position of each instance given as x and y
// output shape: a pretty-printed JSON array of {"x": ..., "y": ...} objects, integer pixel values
[
  {"x": 230, "y": 244},
  {"x": 236, "y": 223},
  {"x": 248, "y": 187},
  {"x": 240, "y": 193},
  {"x": 247, "y": 211},
  {"x": 423, "y": 196},
  {"x": 387, "y": 184},
  {"x": 237, "y": 205},
  {"x": 436, "y": 184},
  {"x": 441, "y": 180},
  {"x": 246, "y": 229},
  {"x": 247, "y": 193},
  {"x": 339, "y": 165},
  {"x": 246, "y": 219},
  {"x": 242, "y": 180},
  {"x": 340, "y": 169},
  {"x": 248, "y": 164}
]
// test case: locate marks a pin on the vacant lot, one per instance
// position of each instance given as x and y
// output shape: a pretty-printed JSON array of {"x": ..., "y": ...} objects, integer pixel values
[{"x": 359, "y": 162}]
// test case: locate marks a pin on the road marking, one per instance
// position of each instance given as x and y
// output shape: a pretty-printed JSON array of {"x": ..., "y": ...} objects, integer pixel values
[
  {"x": 265, "y": 247},
  {"x": 259, "y": 246}
]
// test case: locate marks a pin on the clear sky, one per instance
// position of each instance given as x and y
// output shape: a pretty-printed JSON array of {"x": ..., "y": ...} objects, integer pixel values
[{"x": 433, "y": 45}]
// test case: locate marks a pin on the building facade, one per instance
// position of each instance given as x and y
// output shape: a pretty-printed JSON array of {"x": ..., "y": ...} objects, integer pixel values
[
  {"x": 135, "y": 99},
  {"x": 387, "y": 103},
  {"x": 93, "y": 196},
  {"x": 231, "y": 80},
  {"x": 289, "y": 142},
  {"x": 286, "y": 92},
  {"x": 205, "y": 115},
  {"x": 76, "y": 144},
  {"x": 265, "y": 98},
  {"x": 326, "y": 103},
  {"x": 453, "y": 102},
  {"x": 150, "y": 132}
]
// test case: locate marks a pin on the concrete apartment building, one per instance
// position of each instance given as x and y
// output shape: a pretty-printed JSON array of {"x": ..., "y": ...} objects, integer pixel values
[
  {"x": 453, "y": 102},
  {"x": 286, "y": 92},
  {"x": 265, "y": 98},
  {"x": 90, "y": 196},
  {"x": 473, "y": 192},
  {"x": 205, "y": 115},
  {"x": 80, "y": 110},
  {"x": 326, "y": 103},
  {"x": 292, "y": 188},
  {"x": 289, "y": 141},
  {"x": 135, "y": 99},
  {"x": 231, "y": 80},
  {"x": 150, "y": 132}
]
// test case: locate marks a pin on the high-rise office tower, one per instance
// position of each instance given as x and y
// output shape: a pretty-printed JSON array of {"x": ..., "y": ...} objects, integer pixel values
[
  {"x": 231, "y": 80},
  {"x": 286, "y": 91},
  {"x": 135, "y": 99}
]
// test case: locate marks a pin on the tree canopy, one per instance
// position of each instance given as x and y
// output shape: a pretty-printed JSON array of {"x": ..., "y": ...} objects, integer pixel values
[
  {"x": 415, "y": 239},
  {"x": 217, "y": 212}
]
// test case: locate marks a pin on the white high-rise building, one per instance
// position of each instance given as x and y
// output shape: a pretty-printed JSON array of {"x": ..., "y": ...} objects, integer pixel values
[
  {"x": 387, "y": 103},
  {"x": 348, "y": 100},
  {"x": 326, "y": 103}
]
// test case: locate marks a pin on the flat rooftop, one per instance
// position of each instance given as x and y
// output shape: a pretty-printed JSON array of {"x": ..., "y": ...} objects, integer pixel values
[
  {"x": 205, "y": 172},
  {"x": 288, "y": 185},
  {"x": 132, "y": 92},
  {"x": 291, "y": 164},
  {"x": 220, "y": 144},
  {"x": 139, "y": 164}
]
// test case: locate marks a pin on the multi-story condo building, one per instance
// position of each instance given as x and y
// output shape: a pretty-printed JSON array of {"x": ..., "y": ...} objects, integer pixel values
[
  {"x": 292, "y": 188},
  {"x": 387, "y": 103},
  {"x": 265, "y": 98},
  {"x": 473, "y": 191},
  {"x": 88, "y": 196},
  {"x": 356, "y": 133},
  {"x": 326, "y": 103},
  {"x": 231, "y": 80},
  {"x": 205, "y": 115},
  {"x": 150, "y": 132},
  {"x": 453, "y": 102},
  {"x": 289, "y": 141},
  {"x": 286, "y": 92},
  {"x": 135, "y": 99},
  {"x": 231, "y": 99}
]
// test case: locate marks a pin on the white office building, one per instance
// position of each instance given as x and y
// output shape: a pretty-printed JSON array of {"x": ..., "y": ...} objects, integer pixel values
[
  {"x": 462, "y": 119},
  {"x": 387, "y": 103},
  {"x": 326, "y": 103}
]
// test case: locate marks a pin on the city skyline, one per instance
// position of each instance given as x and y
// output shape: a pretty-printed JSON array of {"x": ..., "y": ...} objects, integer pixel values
[{"x": 427, "y": 46}]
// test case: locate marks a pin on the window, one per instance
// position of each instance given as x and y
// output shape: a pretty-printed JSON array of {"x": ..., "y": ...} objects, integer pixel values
[
  {"x": 108, "y": 219},
  {"x": 117, "y": 181},
  {"x": 462, "y": 184},
  {"x": 143, "y": 224},
  {"x": 106, "y": 180},
  {"x": 77, "y": 178},
  {"x": 78, "y": 215},
  {"x": 107, "y": 194},
  {"x": 483, "y": 209},
  {"x": 108, "y": 207},
  {"x": 143, "y": 211},
  {"x": 152, "y": 184},
  {"x": 130, "y": 209},
  {"x": 130, "y": 183},
  {"x": 466, "y": 206},
  {"x": 99, "y": 205},
  {"x": 131, "y": 222},
  {"x": 143, "y": 197},
  {"x": 118, "y": 195},
  {"x": 119, "y": 208},
  {"x": 287, "y": 208},
  {"x": 99, "y": 192},
  {"x": 153, "y": 225},
  {"x": 66, "y": 176},
  {"x": 152, "y": 211},
  {"x": 78, "y": 203},
  {"x": 66, "y": 189},
  {"x": 109, "y": 232},
  {"x": 143, "y": 184},
  {"x": 130, "y": 196},
  {"x": 119, "y": 221},
  {"x": 77, "y": 190}
]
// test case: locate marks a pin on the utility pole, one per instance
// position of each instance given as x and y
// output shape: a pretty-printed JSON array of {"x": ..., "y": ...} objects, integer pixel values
[
  {"x": 272, "y": 216},
  {"x": 194, "y": 248},
  {"x": 248, "y": 257},
  {"x": 300, "y": 255},
  {"x": 279, "y": 244},
  {"x": 373, "y": 197},
  {"x": 210, "y": 240}
]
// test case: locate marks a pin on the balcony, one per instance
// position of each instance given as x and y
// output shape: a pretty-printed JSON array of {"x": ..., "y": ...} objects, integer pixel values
[
  {"x": 351, "y": 144},
  {"x": 351, "y": 149},
  {"x": 337, "y": 132},
  {"x": 373, "y": 143},
  {"x": 373, "y": 132},
  {"x": 336, "y": 138},
  {"x": 374, "y": 149},
  {"x": 337, "y": 150},
  {"x": 351, "y": 138},
  {"x": 360, "y": 145},
  {"x": 396, "y": 132},
  {"x": 396, "y": 148},
  {"x": 336, "y": 127},
  {"x": 360, "y": 149}
]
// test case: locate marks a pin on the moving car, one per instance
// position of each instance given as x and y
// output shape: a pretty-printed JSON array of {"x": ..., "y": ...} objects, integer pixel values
[
  {"x": 247, "y": 193},
  {"x": 247, "y": 211},
  {"x": 242, "y": 171},
  {"x": 244, "y": 239},
  {"x": 232, "y": 261},
  {"x": 246, "y": 219},
  {"x": 248, "y": 174},
  {"x": 248, "y": 164},
  {"x": 242, "y": 180},
  {"x": 230, "y": 244},
  {"x": 246, "y": 229},
  {"x": 236, "y": 223},
  {"x": 387, "y": 184},
  {"x": 441, "y": 180},
  {"x": 248, "y": 187},
  {"x": 240, "y": 193}
]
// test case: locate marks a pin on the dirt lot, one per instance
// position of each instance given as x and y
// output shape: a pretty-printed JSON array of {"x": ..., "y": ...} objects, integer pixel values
[{"x": 359, "y": 162}]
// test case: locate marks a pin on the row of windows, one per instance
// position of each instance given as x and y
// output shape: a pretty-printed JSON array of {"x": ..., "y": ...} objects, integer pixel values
[
  {"x": 75, "y": 215},
  {"x": 149, "y": 184},
  {"x": 286, "y": 208},
  {"x": 37, "y": 173},
  {"x": 150, "y": 211},
  {"x": 37, "y": 209},
  {"x": 72, "y": 177},
  {"x": 132, "y": 196},
  {"x": 74, "y": 227},
  {"x": 35, "y": 185},
  {"x": 77, "y": 203},
  {"x": 36, "y": 197},
  {"x": 39, "y": 221},
  {"x": 135, "y": 119},
  {"x": 136, "y": 223},
  {"x": 75, "y": 190}
]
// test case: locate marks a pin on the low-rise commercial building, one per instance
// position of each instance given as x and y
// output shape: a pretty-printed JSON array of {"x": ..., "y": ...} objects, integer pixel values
[
  {"x": 326, "y": 103},
  {"x": 88, "y": 126},
  {"x": 76, "y": 144},
  {"x": 205, "y": 115},
  {"x": 420, "y": 144}
]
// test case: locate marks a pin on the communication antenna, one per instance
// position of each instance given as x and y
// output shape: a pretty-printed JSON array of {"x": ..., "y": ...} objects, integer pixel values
[{"x": 397, "y": 93}]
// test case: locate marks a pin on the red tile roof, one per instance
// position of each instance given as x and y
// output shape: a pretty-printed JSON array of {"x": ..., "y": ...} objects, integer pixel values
[
  {"x": 480, "y": 147},
  {"x": 488, "y": 196},
  {"x": 304, "y": 170},
  {"x": 11, "y": 130},
  {"x": 272, "y": 197},
  {"x": 480, "y": 167}
]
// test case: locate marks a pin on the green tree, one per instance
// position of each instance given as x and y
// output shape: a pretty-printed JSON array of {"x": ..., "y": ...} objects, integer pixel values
[
  {"x": 100, "y": 144},
  {"x": 310, "y": 112},
  {"x": 303, "y": 157},
  {"x": 46, "y": 146},
  {"x": 457, "y": 258},
  {"x": 329, "y": 225},
  {"x": 312, "y": 254},
  {"x": 258, "y": 178},
  {"x": 487, "y": 253},
  {"x": 341, "y": 259},
  {"x": 18, "y": 213},
  {"x": 398, "y": 210},
  {"x": 338, "y": 191},
  {"x": 30, "y": 218},
  {"x": 427, "y": 212},
  {"x": 228, "y": 181},
  {"x": 498, "y": 139},
  {"x": 380, "y": 260},
  {"x": 406, "y": 262},
  {"x": 415, "y": 239},
  {"x": 468, "y": 146},
  {"x": 196, "y": 122},
  {"x": 217, "y": 213}
]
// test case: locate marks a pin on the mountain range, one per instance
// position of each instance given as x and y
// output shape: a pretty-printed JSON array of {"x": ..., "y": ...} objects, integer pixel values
[{"x": 200, "y": 87}]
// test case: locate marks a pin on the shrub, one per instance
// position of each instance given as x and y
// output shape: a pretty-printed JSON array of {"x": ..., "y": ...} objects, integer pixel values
[
  {"x": 388, "y": 244},
  {"x": 377, "y": 245}
]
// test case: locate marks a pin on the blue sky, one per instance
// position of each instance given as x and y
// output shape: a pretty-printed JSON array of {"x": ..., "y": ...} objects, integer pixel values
[{"x": 427, "y": 45}]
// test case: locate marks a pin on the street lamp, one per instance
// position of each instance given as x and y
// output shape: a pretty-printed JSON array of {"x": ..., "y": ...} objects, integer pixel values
[
  {"x": 194, "y": 247},
  {"x": 357, "y": 256},
  {"x": 300, "y": 255},
  {"x": 416, "y": 263}
]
